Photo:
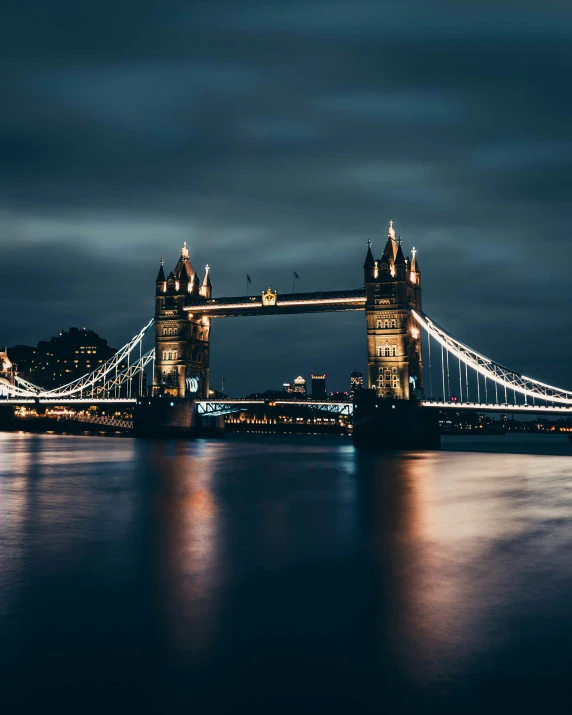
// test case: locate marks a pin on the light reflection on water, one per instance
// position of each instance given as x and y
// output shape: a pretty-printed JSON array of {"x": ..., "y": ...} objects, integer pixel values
[{"x": 333, "y": 575}]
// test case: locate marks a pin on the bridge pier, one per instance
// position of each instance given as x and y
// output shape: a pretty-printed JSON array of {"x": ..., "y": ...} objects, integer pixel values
[
  {"x": 384, "y": 424},
  {"x": 163, "y": 415},
  {"x": 167, "y": 416},
  {"x": 7, "y": 419}
]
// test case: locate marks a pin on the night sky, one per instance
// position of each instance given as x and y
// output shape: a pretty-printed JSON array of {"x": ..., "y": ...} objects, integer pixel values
[{"x": 281, "y": 136}]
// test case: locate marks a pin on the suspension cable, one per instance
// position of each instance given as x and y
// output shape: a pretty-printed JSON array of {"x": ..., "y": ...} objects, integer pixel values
[
  {"x": 443, "y": 374},
  {"x": 448, "y": 376},
  {"x": 430, "y": 370},
  {"x": 491, "y": 370},
  {"x": 467, "y": 382}
]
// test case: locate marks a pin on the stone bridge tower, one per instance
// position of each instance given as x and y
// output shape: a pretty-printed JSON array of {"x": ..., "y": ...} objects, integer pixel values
[
  {"x": 393, "y": 288},
  {"x": 182, "y": 338}
]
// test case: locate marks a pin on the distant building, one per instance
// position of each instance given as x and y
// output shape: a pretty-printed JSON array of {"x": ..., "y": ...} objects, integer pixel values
[
  {"x": 298, "y": 387},
  {"x": 62, "y": 359},
  {"x": 267, "y": 395},
  {"x": 356, "y": 382},
  {"x": 340, "y": 397},
  {"x": 319, "y": 386}
]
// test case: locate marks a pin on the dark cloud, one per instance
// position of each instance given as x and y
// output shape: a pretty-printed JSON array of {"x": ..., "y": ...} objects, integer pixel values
[{"x": 281, "y": 136}]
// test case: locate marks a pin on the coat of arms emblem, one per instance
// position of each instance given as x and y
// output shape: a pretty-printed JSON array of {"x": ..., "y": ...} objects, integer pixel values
[{"x": 269, "y": 297}]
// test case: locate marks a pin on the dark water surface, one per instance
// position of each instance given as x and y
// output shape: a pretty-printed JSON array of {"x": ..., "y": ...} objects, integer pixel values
[{"x": 269, "y": 574}]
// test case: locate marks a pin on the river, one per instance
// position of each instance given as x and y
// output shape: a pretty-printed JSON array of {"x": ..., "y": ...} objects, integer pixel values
[{"x": 285, "y": 574}]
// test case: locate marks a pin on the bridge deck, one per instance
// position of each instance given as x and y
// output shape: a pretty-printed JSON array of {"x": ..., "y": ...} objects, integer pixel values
[
  {"x": 319, "y": 302},
  {"x": 505, "y": 407},
  {"x": 208, "y": 406}
]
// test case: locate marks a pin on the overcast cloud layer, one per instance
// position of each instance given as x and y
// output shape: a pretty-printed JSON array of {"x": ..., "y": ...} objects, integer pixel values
[{"x": 281, "y": 136}]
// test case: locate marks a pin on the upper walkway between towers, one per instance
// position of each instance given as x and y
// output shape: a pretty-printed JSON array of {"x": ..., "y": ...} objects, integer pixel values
[{"x": 274, "y": 303}]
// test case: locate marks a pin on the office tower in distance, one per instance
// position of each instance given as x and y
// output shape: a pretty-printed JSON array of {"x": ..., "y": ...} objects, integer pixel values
[
  {"x": 298, "y": 387},
  {"x": 318, "y": 386}
]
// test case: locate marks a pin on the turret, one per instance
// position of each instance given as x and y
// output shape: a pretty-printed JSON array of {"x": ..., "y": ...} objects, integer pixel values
[
  {"x": 414, "y": 273},
  {"x": 369, "y": 270},
  {"x": 391, "y": 246},
  {"x": 400, "y": 266},
  {"x": 184, "y": 279},
  {"x": 206, "y": 287},
  {"x": 161, "y": 281}
]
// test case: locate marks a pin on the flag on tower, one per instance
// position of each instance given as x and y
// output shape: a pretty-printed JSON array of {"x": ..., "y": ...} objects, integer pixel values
[
  {"x": 248, "y": 278},
  {"x": 296, "y": 275}
]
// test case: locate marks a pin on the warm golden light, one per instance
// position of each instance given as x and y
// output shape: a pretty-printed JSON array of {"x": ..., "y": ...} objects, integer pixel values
[{"x": 358, "y": 301}]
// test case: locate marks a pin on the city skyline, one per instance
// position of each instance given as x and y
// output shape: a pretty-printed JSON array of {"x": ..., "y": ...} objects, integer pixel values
[{"x": 267, "y": 162}]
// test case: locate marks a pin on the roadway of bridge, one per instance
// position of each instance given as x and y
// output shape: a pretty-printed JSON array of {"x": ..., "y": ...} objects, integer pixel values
[
  {"x": 68, "y": 401},
  {"x": 491, "y": 407},
  {"x": 286, "y": 303},
  {"x": 213, "y": 406},
  {"x": 232, "y": 404}
]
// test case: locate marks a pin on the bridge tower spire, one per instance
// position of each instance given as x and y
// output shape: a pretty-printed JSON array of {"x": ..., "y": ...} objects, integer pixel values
[{"x": 393, "y": 289}]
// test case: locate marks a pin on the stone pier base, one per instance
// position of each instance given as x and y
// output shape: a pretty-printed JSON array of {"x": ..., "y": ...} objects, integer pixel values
[
  {"x": 7, "y": 419},
  {"x": 382, "y": 424},
  {"x": 167, "y": 416}
]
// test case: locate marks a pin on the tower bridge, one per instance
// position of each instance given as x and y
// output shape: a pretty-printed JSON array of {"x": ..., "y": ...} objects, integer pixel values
[{"x": 410, "y": 357}]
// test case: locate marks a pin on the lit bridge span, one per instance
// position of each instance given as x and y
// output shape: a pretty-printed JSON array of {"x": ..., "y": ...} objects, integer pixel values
[
  {"x": 410, "y": 357},
  {"x": 467, "y": 379}
]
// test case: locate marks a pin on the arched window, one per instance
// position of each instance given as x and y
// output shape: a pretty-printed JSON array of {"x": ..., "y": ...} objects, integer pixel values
[
  {"x": 394, "y": 323},
  {"x": 170, "y": 356},
  {"x": 394, "y": 369},
  {"x": 394, "y": 351},
  {"x": 386, "y": 324},
  {"x": 175, "y": 355},
  {"x": 378, "y": 324},
  {"x": 387, "y": 351},
  {"x": 164, "y": 354}
]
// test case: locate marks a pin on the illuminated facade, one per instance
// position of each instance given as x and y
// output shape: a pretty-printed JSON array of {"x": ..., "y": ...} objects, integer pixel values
[
  {"x": 184, "y": 310},
  {"x": 393, "y": 289},
  {"x": 182, "y": 337},
  {"x": 298, "y": 387}
]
